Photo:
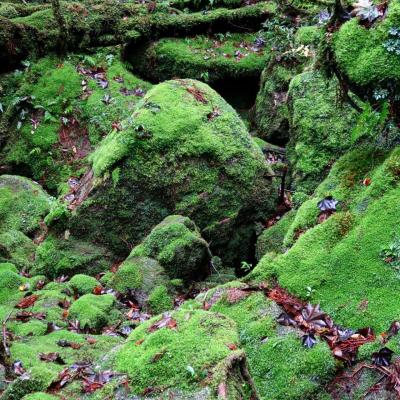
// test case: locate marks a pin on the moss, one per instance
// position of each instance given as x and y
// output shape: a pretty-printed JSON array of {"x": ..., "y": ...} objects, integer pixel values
[
  {"x": 17, "y": 248},
  {"x": 55, "y": 257},
  {"x": 348, "y": 245},
  {"x": 40, "y": 396},
  {"x": 319, "y": 129},
  {"x": 176, "y": 358},
  {"x": 8, "y": 267},
  {"x": 83, "y": 284},
  {"x": 207, "y": 162},
  {"x": 178, "y": 246},
  {"x": 160, "y": 300},
  {"x": 275, "y": 354},
  {"x": 360, "y": 52},
  {"x": 201, "y": 57},
  {"x": 271, "y": 239},
  {"x": 8, "y": 10},
  {"x": 39, "y": 379},
  {"x": 92, "y": 311},
  {"x": 30, "y": 328},
  {"x": 9, "y": 283},
  {"x": 23, "y": 203},
  {"x": 308, "y": 35}
]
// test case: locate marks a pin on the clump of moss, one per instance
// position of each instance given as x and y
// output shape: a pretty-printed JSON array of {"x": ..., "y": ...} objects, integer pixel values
[
  {"x": 8, "y": 10},
  {"x": 271, "y": 239},
  {"x": 200, "y": 132},
  {"x": 57, "y": 256},
  {"x": 17, "y": 248},
  {"x": 361, "y": 55},
  {"x": 274, "y": 353},
  {"x": 319, "y": 129},
  {"x": 83, "y": 284},
  {"x": 177, "y": 245},
  {"x": 348, "y": 244},
  {"x": 23, "y": 203},
  {"x": 202, "y": 57},
  {"x": 178, "y": 358},
  {"x": 92, "y": 311},
  {"x": 40, "y": 396},
  {"x": 160, "y": 300}
]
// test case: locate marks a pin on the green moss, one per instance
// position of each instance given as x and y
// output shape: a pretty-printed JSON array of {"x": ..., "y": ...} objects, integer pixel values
[
  {"x": 8, "y": 267},
  {"x": 23, "y": 203},
  {"x": 40, "y": 396},
  {"x": 83, "y": 284},
  {"x": 9, "y": 283},
  {"x": 55, "y": 257},
  {"x": 17, "y": 248},
  {"x": 308, "y": 35},
  {"x": 319, "y": 128},
  {"x": 30, "y": 328},
  {"x": 271, "y": 239},
  {"x": 360, "y": 52},
  {"x": 8, "y": 10},
  {"x": 202, "y": 57},
  {"x": 160, "y": 300},
  {"x": 348, "y": 245},
  {"x": 92, "y": 311},
  {"x": 177, "y": 358},
  {"x": 275, "y": 354},
  {"x": 208, "y": 161},
  {"x": 178, "y": 246}
]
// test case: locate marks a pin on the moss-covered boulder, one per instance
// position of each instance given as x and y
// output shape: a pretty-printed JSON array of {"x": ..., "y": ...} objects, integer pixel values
[
  {"x": 186, "y": 151},
  {"x": 320, "y": 129},
  {"x": 61, "y": 254},
  {"x": 177, "y": 245},
  {"x": 92, "y": 311},
  {"x": 368, "y": 56},
  {"x": 83, "y": 284},
  {"x": 182, "y": 351},
  {"x": 355, "y": 242},
  {"x": 215, "y": 58},
  {"x": 23, "y": 204},
  {"x": 274, "y": 352}
]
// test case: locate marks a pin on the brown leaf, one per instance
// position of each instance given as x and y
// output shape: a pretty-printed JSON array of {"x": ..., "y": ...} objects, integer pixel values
[
  {"x": 27, "y": 301},
  {"x": 166, "y": 321},
  {"x": 232, "y": 346}
]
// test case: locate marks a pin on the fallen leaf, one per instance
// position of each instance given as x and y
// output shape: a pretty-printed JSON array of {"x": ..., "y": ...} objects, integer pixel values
[{"x": 27, "y": 301}]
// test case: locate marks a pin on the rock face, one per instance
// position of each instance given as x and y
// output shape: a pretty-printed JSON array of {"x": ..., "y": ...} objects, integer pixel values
[{"x": 184, "y": 150}]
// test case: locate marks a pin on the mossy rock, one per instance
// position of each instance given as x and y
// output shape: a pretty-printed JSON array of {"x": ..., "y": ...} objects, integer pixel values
[
  {"x": 215, "y": 58},
  {"x": 69, "y": 120},
  {"x": 57, "y": 256},
  {"x": 274, "y": 353},
  {"x": 271, "y": 239},
  {"x": 180, "y": 358},
  {"x": 320, "y": 129},
  {"x": 40, "y": 396},
  {"x": 184, "y": 151},
  {"x": 93, "y": 312},
  {"x": 139, "y": 275},
  {"x": 8, "y": 10},
  {"x": 160, "y": 300},
  {"x": 83, "y": 284},
  {"x": 17, "y": 248},
  {"x": 361, "y": 54},
  {"x": 177, "y": 245},
  {"x": 349, "y": 243},
  {"x": 23, "y": 204}
]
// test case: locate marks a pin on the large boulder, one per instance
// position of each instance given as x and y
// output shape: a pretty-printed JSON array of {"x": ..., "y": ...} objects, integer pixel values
[{"x": 184, "y": 150}]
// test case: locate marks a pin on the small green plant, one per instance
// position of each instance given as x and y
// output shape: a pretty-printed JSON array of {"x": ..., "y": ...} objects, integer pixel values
[
  {"x": 246, "y": 267},
  {"x": 391, "y": 254},
  {"x": 392, "y": 45},
  {"x": 309, "y": 291}
]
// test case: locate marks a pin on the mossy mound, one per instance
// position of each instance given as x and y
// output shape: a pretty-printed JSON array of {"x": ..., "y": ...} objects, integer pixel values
[
  {"x": 83, "y": 284},
  {"x": 364, "y": 55},
  {"x": 177, "y": 245},
  {"x": 319, "y": 129},
  {"x": 57, "y": 111},
  {"x": 23, "y": 204},
  {"x": 340, "y": 263},
  {"x": 271, "y": 239},
  {"x": 215, "y": 58},
  {"x": 59, "y": 255},
  {"x": 181, "y": 356},
  {"x": 184, "y": 151},
  {"x": 275, "y": 354},
  {"x": 93, "y": 312}
]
